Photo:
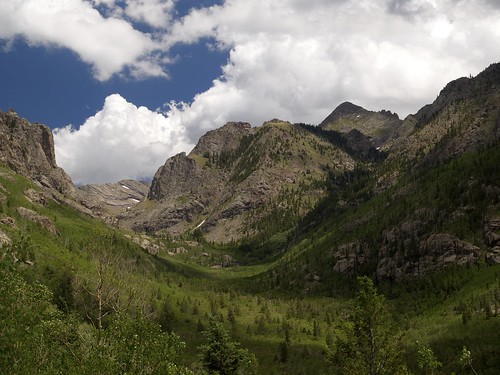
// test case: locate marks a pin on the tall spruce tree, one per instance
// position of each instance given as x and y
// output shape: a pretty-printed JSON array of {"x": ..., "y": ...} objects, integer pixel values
[
  {"x": 369, "y": 346},
  {"x": 221, "y": 355}
]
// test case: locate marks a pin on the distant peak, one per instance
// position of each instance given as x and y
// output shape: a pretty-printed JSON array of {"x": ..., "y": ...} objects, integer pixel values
[
  {"x": 225, "y": 138},
  {"x": 348, "y": 108},
  {"x": 343, "y": 110}
]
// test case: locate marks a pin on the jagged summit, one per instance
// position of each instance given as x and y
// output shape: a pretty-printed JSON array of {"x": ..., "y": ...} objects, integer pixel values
[
  {"x": 241, "y": 181},
  {"x": 464, "y": 117},
  {"x": 222, "y": 139},
  {"x": 343, "y": 110},
  {"x": 460, "y": 90},
  {"x": 381, "y": 126}
]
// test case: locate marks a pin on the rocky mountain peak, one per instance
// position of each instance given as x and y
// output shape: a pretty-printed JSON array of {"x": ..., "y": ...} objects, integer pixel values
[
  {"x": 459, "y": 90},
  {"x": 380, "y": 127},
  {"x": 223, "y": 139},
  {"x": 123, "y": 194},
  {"x": 343, "y": 110},
  {"x": 174, "y": 177},
  {"x": 28, "y": 149},
  {"x": 464, "y": 117}
]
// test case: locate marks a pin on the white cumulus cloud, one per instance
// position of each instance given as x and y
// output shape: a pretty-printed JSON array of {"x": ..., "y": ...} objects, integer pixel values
[
  {"x": 156, "y": 13},
  {"x": 110, "y": 45},
  {"x": 120, "y": 141}
]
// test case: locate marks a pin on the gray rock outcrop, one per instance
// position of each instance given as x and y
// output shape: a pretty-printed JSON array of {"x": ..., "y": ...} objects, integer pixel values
[
  {"x": 5, "y": 241},
  {"x": 28, "y": 149},
  {"x": 35, "y": 217}
]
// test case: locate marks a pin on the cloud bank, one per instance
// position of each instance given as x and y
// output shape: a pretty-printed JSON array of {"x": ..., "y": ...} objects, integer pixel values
[{"x": 292, "y": 59}]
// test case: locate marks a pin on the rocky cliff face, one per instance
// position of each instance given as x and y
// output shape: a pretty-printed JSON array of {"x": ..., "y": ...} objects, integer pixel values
[
  {"x": 116, "y": 198},
  {"x": 243, "y": 182},
  {"x": 28, "y": 149}
]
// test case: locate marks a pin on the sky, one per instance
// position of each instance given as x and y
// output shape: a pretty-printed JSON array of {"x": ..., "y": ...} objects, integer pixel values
[{"x": 125, "y": 84}]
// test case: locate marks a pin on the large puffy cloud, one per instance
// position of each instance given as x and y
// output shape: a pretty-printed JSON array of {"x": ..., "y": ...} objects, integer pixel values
[
  {"x": 110, "y": 45},
  {"x": 120, "y": 141},
  {"x": 298, "y": 59}
]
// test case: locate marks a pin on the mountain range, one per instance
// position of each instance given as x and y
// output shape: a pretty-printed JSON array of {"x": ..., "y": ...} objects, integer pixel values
[{"x": 244, "y": 183}]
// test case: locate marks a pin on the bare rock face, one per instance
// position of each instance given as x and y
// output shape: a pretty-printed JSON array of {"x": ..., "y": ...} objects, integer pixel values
[
  {"x": 37, "y": 197},
  {"x": 235, "y": 176},
  {"x": 179, "y": 176},
  {"x": 492, "y": 239},
  {"x": 123, "y": 194},
  {"x": 8, "y": 221},
  {"x": 436, "y": 252},
  {"x": 224, "y": 139},
  {"x": 493, "y": 257},
  {"x": 492, "y": 231},
  {"x": 184, "y": 175},
  {"x": 43, "y": 221},
  {"x": 348, "y": 257},
  {"x": 146, "y": 243},
  {"x": 431, "y": 254},
  {"x": 28, "y": 149}
]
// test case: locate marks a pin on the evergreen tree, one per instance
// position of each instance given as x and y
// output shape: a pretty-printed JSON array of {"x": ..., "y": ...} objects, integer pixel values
[
  {"x": 283, "y": 352},
  {"x": 369, "y": 346},
  {"x": 221, "y": 355}
]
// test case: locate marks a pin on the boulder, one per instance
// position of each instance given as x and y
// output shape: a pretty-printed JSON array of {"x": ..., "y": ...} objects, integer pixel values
[
  {"x": 492, "y": 231},
  {"x": 493, "y": 257},
  {"x": 5, "y": 241},
  {"x": 8, "y": 221},
  {"x": 35, "y": 217},
  {"x": 37, "y": 197}
]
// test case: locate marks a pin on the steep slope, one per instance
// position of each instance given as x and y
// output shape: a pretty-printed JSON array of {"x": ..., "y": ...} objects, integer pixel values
[
  {"x": 237, "y": 178},
  {"x": 433, "y": 204},
  {"x": 464, "y": 117},
  {"x": 380, "y": 127}
]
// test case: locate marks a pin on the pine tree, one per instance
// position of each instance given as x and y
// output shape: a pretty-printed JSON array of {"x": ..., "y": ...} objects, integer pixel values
[
  {"x": 369, "y": 346},
  {"x": 221, "y": 355}
]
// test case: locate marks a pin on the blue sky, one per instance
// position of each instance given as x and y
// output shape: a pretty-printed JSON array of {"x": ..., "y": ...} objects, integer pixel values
[
  {"x": 125, "y": 84},
  {"x": 52, "y": 86}
]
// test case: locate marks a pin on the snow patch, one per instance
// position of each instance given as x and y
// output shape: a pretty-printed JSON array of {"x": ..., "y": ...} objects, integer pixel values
[{"x": 125, "y": 187}]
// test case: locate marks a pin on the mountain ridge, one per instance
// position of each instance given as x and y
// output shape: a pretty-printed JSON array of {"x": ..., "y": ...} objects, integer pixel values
[{"x": 241, "y": 182}]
